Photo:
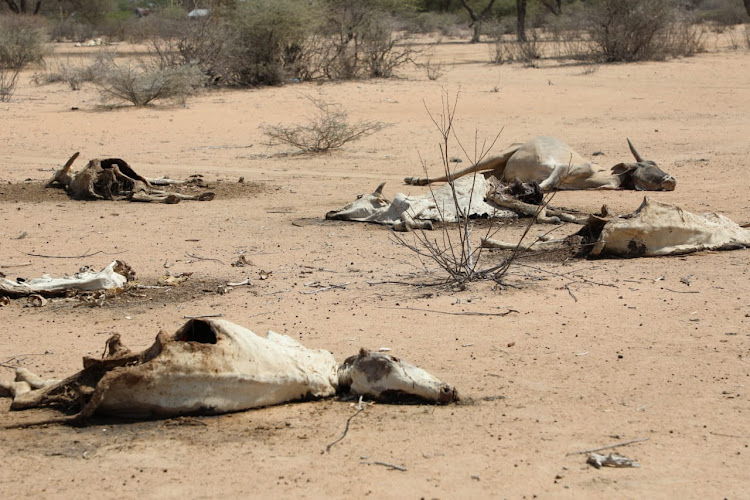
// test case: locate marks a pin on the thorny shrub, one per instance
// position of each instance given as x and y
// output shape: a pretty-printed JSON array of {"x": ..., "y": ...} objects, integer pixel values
[
  {"x": 637, "y": 30},
  {"x": 328, "y": 129},
  {"x": 141, "y": 83},
  {"x": 22, "y": 41}
]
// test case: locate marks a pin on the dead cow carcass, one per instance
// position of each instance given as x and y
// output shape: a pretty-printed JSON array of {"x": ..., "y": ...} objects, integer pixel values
[
  {"x": 213, "y": 366},
  {"x": 114, "y": 179},
  {"x": 465, "y": 198},
  {"x": 654, "y": 229},
  {"x": 555, "y": 165}
]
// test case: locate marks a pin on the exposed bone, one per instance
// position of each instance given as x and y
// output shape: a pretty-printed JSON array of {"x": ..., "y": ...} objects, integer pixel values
[
  {"x": 213, "y": 366},
  {"x": 544, "y": 215},
  {"x": 115, "y": 275},
  {"x": 113, "y": 178},
  {"x": 611, "y": 460},
  {"x": 406, "y": 212}
]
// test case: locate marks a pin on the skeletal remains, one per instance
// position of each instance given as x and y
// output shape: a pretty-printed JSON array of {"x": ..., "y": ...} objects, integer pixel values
[
  {"x": 418, "y": 212},
  {"x": 654, "y": 229},
  {"x": 555, "y": 165},
  {"x": 212, "y": 366},
  {"x": 113, "y": 179},
  {"x": 115, "y": 275}
]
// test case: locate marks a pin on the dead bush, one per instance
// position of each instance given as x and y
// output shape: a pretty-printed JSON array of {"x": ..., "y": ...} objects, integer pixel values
[
  {"x": 356, "y": 40},
  {"x": 455, "y": 250},
  {"x": 8, "y": 82},
  {"x": 435, "y": 70},
  {"x": 528, "y": 52},
  {"x": 329, "y": 128},
  {"x": 71, "y": 30},
  {"x": 265, "y": 38},
  {"x": 22, "y": 41},
  {"x": 445, "y": 23},
  {"x": 140, "y": 84},
  {"x": 200, "y": 42},
  {"x": 74, "y": 73},
  {"x": 636, "y": 30}
]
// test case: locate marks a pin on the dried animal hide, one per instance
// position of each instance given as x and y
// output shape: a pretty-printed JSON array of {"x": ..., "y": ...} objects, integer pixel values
[
  {"x": 406, "y": 212},
  {"x": 661, "y": 229},
  {"x": 114, "y": 179},
  {"x": 115, "y": 275},
  {"x": 213, "y": 366},
  {"x": 654, "y": 229}
]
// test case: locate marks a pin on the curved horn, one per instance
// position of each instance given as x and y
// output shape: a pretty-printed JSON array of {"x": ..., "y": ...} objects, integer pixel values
[
  {"x": 379, "y": 189},
  {"x": 635, "y": 152}
]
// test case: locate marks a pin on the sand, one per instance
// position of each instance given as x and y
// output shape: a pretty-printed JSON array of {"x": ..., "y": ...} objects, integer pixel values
[{"x": 594, "y": 352}]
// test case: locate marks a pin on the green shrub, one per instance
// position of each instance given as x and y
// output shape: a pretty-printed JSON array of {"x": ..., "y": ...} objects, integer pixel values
[{"x": 265, "y": 37}]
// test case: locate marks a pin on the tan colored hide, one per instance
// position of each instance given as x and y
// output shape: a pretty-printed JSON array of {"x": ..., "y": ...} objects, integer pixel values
[
  {"x": 213, "y": 366},
  {"x": 654, "y": 229},
  {"x": 661, "y": 229},
  {"x": 207, "y": 367},
  {"x": 113, "y": 276},
  {"x": 555, "y": 165}
]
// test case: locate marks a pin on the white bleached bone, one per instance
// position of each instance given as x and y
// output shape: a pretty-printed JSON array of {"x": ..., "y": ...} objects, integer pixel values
[{"x": 115, "y": 275}]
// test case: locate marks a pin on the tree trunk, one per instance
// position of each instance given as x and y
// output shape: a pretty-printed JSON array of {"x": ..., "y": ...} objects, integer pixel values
[
  {"x": 22, "y": 8},
  {"x": 555, "y": 6},
  {"x": 477, "y": 25},
  {"x": 747, "y": 6},
  {"x": 13, "y": 6},
  {"x": 477, "y": 19},
  {"x": 521, "y": 12}
]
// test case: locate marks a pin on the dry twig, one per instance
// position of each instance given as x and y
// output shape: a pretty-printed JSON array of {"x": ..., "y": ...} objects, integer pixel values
[
  {"x": 197, "y": 257},
  {"x": 609, "y": 446},
  {"x": 85, "y": 254},
  {"x": 462, "y": 313},
  {"x": 346, "y": 429}
]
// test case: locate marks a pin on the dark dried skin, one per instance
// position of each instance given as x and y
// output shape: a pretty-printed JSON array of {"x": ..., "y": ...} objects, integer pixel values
[
  {"x": 376, "y": 367},
  {"x": 74, "y": 394},
  {"x": 643, "y": 176}
]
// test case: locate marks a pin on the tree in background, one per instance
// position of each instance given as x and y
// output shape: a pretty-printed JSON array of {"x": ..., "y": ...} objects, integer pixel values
[
  {"x": 21, "y": 7},
  {"x": 477, "y": 19},
  {"x": 521, "y": 19}
]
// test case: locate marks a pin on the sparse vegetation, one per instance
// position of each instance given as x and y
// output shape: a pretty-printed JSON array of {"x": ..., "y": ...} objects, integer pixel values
[
  {"x": 328, "y": 129},
  {"x": 8, "y": 81},
  {"x": 454, "y": 250},
  {"x": 434, "y": 70},
  {"x": 22, "y": 41},
  {"x": 637, "y": 30},
  {"x": 140, "y": 84},
  {"x": 74, "y": 73}
]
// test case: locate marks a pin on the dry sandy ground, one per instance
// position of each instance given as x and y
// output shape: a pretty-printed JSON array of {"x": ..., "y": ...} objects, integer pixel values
[{"x": 626, "y": 351}]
